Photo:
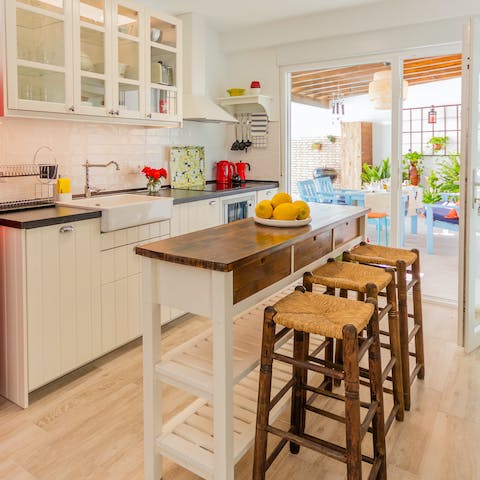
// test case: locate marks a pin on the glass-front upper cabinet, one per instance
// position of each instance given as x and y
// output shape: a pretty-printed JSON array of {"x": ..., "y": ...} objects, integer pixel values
[
  {"x": 91, "y": 51},
  {"x": 129, "y": 65},
  {"x": 38, "y": 47},
  {"x": 163, "y": 74}
]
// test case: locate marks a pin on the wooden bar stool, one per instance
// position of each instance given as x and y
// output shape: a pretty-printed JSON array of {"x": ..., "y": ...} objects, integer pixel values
[
  {"x": 401, "y": 259},
  {"x": 369, "y": 281},
  {"x": 332, "y": 317}
]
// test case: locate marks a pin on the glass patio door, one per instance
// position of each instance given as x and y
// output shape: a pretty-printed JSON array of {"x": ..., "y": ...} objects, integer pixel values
[{"x": 469, "y": 291}]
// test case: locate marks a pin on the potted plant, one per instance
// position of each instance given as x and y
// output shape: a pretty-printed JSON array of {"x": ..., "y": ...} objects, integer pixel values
[
  {"x": 331, "y": 138},
  {"x": 413, "y": 164},
  {"x": 372, "y": 173},
  {"x": 438, "y": 143},
  {"x": 316, "y": 145}
]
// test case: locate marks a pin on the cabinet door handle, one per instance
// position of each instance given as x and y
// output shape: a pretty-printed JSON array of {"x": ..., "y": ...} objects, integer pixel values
[
  {"x": 116, "y": 112},
  {"x": 212, "y": 202},
  {"x": 149, "y": 115},
  {"x": 66, "y": 229},
  {"x": 72, "y": 108}
]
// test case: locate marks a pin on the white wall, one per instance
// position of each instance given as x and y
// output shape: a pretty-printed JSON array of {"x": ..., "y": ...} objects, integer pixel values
[{"x": 386, "y": 14}]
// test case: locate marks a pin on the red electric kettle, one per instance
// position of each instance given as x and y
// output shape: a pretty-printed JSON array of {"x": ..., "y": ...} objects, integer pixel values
[
  {"x": 241, "y": 167},
  {"x": 225, "y": 171}
]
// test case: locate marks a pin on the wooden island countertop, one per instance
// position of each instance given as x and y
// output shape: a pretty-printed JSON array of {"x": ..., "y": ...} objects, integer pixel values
[{"x": 222, "y": 248}]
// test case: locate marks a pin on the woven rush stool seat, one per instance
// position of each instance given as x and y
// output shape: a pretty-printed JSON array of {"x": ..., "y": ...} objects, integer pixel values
[
  {"x": 405, "y": 263},
  {"x": 372, "y": 281},
  {"x": 350, "y": 276},
  {"x": 376, "y": 254},
  {"x": 321, "y": 314},
  {"x": 313, "y": 313}
]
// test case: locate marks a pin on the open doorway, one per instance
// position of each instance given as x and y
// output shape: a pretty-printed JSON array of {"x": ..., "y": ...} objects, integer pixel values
[{"x": 341, "y": 127}]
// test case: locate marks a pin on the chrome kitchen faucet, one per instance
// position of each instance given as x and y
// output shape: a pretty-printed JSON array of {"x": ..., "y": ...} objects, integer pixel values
[{"x": 87, "y": 165}]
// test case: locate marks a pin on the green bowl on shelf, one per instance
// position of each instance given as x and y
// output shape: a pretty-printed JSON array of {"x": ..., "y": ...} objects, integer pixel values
[{"x": 235, "y": 92}]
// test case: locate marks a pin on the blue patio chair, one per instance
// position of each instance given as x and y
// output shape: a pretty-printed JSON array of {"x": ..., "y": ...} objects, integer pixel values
[
  {"x": 327, "y": 194},
  {"x": 438, "y": 216},
  {"x": 307, "y": 191}
]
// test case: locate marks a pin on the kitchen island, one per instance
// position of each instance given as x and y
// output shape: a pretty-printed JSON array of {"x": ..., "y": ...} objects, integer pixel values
[{"x": 222, "y": 273}]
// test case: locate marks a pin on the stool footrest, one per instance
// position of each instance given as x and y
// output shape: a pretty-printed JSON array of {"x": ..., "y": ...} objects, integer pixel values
[
  {"x": 391, "y": 418},
  {"x": 410, "y": 315},
  {"x": 321, "y": 347},
  {"x": 275, "y": 452},
  {"x": 384, "y": 310},
  {"x": 365, "y": 345},
  {"x": 322, "y": 446},
  {"x": 415, "y": 371},
  {"x": 384, "y": 332},
  {"x": 375, "y": 469},
  {"x": 329, "y": 394},
  {"x": 368, "y": 419},
  {"x": 413, "y": 333},
  {"x": 411, "y": 284},
  {"x": 281, "y": 334},
  {"x": 325, "y": 413},
  {"x": 282, "y": 392},
  {"x": 316, "y": 368},
  {"x": 388, "y": 368}
]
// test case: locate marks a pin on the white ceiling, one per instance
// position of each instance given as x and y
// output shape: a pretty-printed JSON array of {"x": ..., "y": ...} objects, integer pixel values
[{"x": 228, "y": 15}]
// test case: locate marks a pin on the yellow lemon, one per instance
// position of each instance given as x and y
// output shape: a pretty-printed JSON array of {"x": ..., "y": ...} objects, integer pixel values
[
  {"x": 303, "y": 210},
  {"x": 285, "y": 211},
  {"x": 281, "y": 197},
  {"x": 264, "y": 209}
]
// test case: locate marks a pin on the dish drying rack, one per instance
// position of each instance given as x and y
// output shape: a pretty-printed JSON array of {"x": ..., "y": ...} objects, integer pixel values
[{"x": 44, "y": 192}]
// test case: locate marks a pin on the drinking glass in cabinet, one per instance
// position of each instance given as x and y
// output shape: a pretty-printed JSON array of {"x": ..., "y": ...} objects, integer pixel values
[
  {"x": 127, "y": 21},
  {"x": 93, "y": 92},
  {"x": 41, "y": 85},
  {"x": 128, "y": 97},
  {"x": 128, "y": 54},
  {"x": 92, "y": 50},
  {"x": 40, "y": 38}
]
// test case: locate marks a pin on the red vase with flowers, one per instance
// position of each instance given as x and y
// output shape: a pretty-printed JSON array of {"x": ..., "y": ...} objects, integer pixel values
[{"x": 154, "y": 176}]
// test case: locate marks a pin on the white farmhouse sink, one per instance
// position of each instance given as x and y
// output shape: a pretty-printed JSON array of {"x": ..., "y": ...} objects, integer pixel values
[{"x": 125, "y": 210}]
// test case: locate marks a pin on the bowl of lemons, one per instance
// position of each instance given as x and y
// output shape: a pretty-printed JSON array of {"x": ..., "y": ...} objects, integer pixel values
[{"x": 281, "y": 211}]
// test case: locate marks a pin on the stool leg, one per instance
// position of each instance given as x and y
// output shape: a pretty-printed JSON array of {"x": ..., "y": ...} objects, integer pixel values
[
  {"x": 264, "y": 392},
  {"x": 376, "y": 391},
  {"x": 418, "y": 317},
  {"x": 339, "y": 343},
  {"x": 297, "y": 414},
  {"x": 394, "y": 330},
  {"x": 352, "y": 403},
  {"x": 403, "y": 318},
  {"x": 329, "y": 350}
]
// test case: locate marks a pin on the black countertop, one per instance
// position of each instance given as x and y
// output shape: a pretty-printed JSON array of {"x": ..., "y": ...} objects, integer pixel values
[
  {"x": 41, "y": 217},
  {"x": 185, "y": 196}
]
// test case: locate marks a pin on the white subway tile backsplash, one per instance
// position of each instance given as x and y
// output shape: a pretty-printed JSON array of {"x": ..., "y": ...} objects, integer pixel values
[{"x": 73, "y": 142}]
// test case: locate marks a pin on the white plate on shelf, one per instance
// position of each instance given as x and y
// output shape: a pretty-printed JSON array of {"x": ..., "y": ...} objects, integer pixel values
[{"x": 271, "y": 222}]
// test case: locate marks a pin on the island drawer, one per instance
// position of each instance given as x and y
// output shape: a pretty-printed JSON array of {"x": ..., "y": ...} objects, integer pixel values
[
  {"x": 312, "y": 249},
  {"x": 259, "y": 272},
  {"x": 345, "y": 232}
]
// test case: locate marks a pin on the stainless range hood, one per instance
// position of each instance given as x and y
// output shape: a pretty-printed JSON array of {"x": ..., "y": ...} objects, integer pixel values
[{"x": 196, "y": 105}]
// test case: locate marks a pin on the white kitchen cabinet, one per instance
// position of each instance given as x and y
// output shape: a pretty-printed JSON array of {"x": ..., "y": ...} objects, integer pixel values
[
  {"x": 93, "y": 58},
  {"x": 52, "y": 308},
  {"x": 266, "y": 194},
  {"x": 121, "y": 270},
  {"x": 193, "y": 216}
]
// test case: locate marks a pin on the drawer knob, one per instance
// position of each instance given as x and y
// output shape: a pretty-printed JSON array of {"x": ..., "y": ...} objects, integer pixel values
[
  {"x": 67, "y": 229},
  {"x": 212, "y": 202}
]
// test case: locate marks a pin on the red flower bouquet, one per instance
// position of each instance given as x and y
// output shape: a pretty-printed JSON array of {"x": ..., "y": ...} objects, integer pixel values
[{"x": 154, "y": 175}]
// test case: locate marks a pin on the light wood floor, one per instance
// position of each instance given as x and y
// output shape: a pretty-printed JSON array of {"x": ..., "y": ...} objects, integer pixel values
[{"x": 89, "y": 424}]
